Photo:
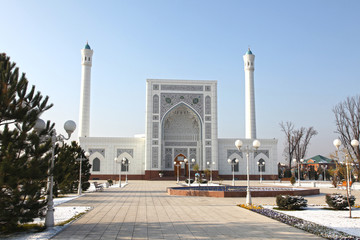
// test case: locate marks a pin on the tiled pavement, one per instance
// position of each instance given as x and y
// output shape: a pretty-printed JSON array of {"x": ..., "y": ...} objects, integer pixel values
[{"x": 143, "y": 210}]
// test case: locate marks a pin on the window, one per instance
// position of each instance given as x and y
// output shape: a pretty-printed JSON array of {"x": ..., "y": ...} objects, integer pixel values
[
  {"x": 96, "y": 165},
  {"x": 236, "y": 166},
  {"x": 261, "y": 165}
]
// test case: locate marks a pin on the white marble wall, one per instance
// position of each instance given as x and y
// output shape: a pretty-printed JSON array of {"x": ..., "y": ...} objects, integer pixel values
[
  {"x": 111, "y": 146},
  {"x": 269, "y": 145}
]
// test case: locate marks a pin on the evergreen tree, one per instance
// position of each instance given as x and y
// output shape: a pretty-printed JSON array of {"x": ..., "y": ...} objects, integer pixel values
[
  {"x": 66, "y": 169},
  {"x": 24, "y": 156}
]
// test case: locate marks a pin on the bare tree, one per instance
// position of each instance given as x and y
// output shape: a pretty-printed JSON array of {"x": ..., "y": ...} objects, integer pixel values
[
  {"x": 347, "y": 118},
  {"x": 297, "y": 140}
]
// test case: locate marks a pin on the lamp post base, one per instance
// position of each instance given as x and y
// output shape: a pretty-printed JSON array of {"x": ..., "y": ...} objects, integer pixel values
[
  {"x": 248, "y": 197},
  {"x": 49, "y": 218}
]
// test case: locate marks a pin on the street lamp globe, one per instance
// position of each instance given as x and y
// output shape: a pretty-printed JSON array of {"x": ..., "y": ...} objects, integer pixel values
[
  {"x": 39, "y": 125},
  {"x": 87, "y": 154},
  {"x": 229, "y": 160},
  {"x": 70, "y": 126},
  {"x": 193, "y": 160},
  {"x": 256, "y": 144},
  {"x": 185, "y": 160},
  {"x": 337, "y": 143},
  {"x": 238, "y": 144},
  {"x": 355, "y": 143}
]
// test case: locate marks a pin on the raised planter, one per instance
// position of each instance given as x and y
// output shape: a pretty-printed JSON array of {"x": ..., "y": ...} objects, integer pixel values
[{"x": 240, "y": 191}]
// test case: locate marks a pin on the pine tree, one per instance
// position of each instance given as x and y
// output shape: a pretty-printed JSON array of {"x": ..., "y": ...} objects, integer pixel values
[
  {"x": 24, "y": 156},
  {"x": 66, "y": 169}
]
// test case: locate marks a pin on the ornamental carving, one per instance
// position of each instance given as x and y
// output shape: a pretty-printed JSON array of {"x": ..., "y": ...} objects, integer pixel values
[
  {"x": 182, "y": 151},
  {"x": 129, "y": 151},
  {"x": 169, "y": 100},
  {"x": 156, "y": 104},
  {"x": 207, "y": 105},
  {"x": 231, "y": 152},
  {"x": 265, "y": 152},
  {"x": 182, "y": 87},
  {"x": 181, "y": 144},
  {"x": 99, "y": 150},
  {"x": 155, "y": 157}
]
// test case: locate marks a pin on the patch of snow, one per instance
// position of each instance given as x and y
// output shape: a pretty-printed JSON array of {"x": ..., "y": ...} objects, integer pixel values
[{"x": 336, "y": 219}]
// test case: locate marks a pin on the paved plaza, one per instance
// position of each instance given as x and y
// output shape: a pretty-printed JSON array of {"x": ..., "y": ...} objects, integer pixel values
[{"x": 143, "y": 210}]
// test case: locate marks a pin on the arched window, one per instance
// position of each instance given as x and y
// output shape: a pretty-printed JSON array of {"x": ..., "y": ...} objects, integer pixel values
[
  {"x": 207, "y": 105},
  {"x": 261, "y": 165},
  {"x": 155, "y": 104},
  {"x": 236, "y": 166},
  {"x": 96, "y": 165}
]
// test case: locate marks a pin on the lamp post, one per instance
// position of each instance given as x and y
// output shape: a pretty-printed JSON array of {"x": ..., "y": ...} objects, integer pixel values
[
  {"x": 119, "y": 161},
  {"x": 298, "y": 166},
  {"x": 324, "y": 167},
  {"x": 354, "y": 144},
  {"x": 189, "y": 165},
  {"x": 69, "y": 127},
  {"x": 233, "y": 163},
  {"x": 211, "y": 167},
  {"x": 177, "y": 164},
  {"x": 248, "y": 150},
  {"x": 261, "y": 164},
  {"x": 126, "y": 163},
  {"x": 80, "y": 160}
]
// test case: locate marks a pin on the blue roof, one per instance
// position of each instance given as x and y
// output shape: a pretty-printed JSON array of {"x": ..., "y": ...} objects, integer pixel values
[
  {"x": 249, "y": 52},
  {"x": 87, "y": 46}
]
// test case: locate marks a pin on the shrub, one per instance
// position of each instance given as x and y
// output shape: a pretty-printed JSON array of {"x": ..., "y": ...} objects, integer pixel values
[
  {"x": 110, "y": 181},
  {"x": 290, "y": 202},
  {"x": 85, "y": 186},
  {"x": 338, "y": 201},
  {"x": 292, "y": 180}
]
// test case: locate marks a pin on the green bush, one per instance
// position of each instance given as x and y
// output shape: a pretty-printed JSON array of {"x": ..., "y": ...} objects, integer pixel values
[
  {"x": 290, "y": 202},
  {"x": 110, "y": 181},
  {"x": 338, "y": 201},
  {"x": 292, "y": 180}
]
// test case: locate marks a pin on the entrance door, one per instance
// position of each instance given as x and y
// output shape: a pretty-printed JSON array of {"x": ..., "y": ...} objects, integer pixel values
[{"x": 179, "y": 159}]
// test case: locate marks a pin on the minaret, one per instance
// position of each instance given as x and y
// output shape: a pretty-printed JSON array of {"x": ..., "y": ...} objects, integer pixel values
[
  {"x": 86, "y": 63},
  {"x": 250, "y": 121}
]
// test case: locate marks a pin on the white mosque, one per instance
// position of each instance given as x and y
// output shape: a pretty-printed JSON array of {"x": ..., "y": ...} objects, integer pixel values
[{"x": 181, "y": 123}]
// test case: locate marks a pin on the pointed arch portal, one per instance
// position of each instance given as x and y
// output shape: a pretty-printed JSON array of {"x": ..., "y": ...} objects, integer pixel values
[{"x": 182, "y": 133}]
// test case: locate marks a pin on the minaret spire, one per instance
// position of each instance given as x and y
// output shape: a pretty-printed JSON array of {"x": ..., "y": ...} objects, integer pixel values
[
  {"x": 250, "y": 121},
  {"x": 84, "y": 118}
]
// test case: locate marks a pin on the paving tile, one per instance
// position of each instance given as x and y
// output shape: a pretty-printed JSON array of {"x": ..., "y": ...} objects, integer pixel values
[{"x": 143, "y": 210}]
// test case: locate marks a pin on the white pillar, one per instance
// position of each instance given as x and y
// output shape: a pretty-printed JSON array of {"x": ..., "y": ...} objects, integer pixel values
[
  {"x": 86, "y": 63},
  {"x": 250, "y": 121}
]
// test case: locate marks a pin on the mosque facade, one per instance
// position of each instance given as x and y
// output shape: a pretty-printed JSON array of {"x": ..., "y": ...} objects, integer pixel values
[{"x": 180, "y": 123}]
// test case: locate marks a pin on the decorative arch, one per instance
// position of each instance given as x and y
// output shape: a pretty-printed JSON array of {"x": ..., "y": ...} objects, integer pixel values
[
  {"x": 127, "y": 156},
  {"x": 263, "y": 158},
  {"x": 96, "y": 158},
  {"x": 177, "y": 105},
  {"x": 241, "y": 162}
]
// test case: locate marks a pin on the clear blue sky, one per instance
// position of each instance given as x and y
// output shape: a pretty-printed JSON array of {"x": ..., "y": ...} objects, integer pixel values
[{"x": 307, "y": 58}]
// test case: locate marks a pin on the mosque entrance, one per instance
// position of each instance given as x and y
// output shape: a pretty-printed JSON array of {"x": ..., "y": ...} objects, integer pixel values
[
  {"x": 183, "y": 168},
  {"x": 181, "y": 138}
]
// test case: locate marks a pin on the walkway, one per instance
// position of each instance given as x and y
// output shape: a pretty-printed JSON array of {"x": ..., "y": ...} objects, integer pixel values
[{"x": 143, "y": 210}]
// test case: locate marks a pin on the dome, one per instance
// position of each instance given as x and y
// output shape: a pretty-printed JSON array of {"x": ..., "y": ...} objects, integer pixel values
[
  {"x": 87, "y": 46},
  {"x": 248, "y": 52}
]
